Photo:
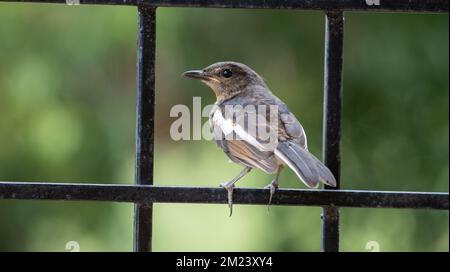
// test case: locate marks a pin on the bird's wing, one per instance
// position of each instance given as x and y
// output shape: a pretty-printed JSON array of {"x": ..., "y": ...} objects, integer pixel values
[
  {"x": 238, "y": 122},
  {"x": 293, "y": 130},
  {"x": 233, "y": 133},
  {"x": 246, "y": 154},
  {"x": 288, "y": 127}
]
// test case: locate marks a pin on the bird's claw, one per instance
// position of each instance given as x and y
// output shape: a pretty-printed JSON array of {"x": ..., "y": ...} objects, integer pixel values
[
  {"x": 229, "y": 188},
  {"x": 273, "y": 186}
]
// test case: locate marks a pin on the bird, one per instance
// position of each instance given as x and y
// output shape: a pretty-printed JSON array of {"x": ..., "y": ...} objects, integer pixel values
[{"x": 246, "y": 110}]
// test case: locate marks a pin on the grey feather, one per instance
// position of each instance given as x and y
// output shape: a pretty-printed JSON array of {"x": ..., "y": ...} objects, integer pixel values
[
  {"x": 251, "y": 156},
  {"x": 293, "y": 128},
  {"x": 307, "y": 167},
  {"x": 325, "y": 174}
]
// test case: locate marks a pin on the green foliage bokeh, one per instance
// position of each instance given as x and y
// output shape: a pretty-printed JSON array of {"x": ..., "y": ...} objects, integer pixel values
[{"x": 67, "y": 98}]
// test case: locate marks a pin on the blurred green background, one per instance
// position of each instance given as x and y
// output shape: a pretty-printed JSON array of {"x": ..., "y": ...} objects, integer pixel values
[{"x": 67, "y": 114}]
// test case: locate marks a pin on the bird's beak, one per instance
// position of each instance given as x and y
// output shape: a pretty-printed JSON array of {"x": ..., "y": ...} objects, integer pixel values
[{"x": 197, "y": 74}]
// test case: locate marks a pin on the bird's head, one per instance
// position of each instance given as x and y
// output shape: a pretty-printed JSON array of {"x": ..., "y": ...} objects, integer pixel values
[{"x": 227, "y": 79}]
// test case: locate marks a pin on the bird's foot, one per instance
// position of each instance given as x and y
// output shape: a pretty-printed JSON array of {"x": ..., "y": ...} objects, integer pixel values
[
  {"x": 229, "y": 187},
  {"x": 273, "y": 186}
]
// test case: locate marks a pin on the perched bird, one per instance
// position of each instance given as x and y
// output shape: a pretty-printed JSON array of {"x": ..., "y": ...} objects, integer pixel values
[{"x": 245, "y": 111}]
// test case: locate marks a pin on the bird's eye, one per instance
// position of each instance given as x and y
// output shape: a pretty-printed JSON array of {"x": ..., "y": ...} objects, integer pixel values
[{"x": 227, "y": 73}]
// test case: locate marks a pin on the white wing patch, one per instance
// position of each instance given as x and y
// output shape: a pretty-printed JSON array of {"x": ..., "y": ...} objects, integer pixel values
[{"x": 228, "y": 127}]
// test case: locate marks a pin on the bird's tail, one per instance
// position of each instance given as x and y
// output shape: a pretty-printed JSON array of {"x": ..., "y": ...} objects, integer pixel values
[{"x": 308, "y": 168}]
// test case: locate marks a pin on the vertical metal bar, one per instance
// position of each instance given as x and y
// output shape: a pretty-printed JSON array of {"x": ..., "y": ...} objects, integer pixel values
[
  {"x": 145, "y": 112},
  {"x": 334, "y": 38}
]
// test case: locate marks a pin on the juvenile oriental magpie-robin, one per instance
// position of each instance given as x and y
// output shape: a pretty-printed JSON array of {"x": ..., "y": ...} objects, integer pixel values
[{"x": 256, "y": 129}]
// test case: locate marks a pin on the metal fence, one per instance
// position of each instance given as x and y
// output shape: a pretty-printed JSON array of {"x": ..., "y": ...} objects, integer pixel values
[{"x": 144, "y": 193}]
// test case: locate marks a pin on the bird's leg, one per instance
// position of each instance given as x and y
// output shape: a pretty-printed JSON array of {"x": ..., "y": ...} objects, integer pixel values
[
  {"x": 229, "y": 186},
  {"x": 273, "y": 186}
]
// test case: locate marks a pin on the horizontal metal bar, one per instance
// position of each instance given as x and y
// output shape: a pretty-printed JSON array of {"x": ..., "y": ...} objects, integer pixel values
[
  {"x": 291, "y": 197},
  {"x": 436, "y": 6}
]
